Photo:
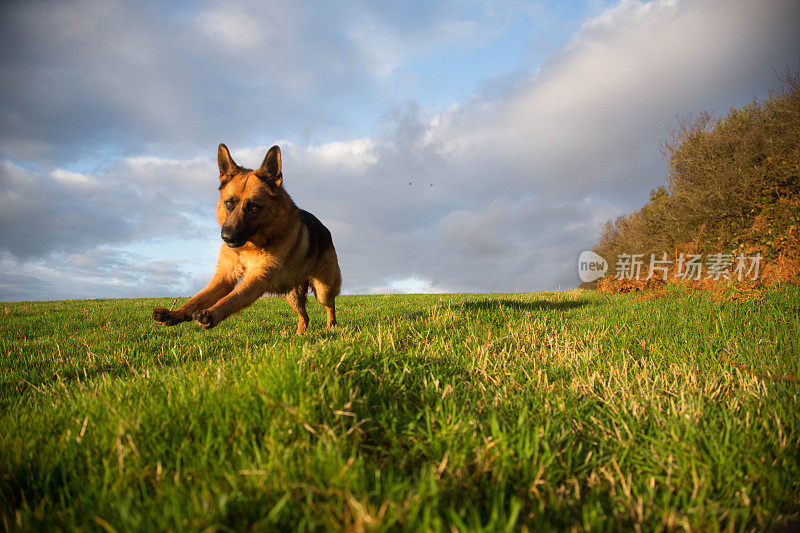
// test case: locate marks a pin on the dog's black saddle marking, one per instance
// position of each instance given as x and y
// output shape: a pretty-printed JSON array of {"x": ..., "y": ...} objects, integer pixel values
[{"x": 319, "y": 238}]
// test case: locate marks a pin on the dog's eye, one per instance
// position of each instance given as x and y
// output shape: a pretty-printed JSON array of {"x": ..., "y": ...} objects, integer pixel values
[
  {"x": 251, "y": 208},
  {"x": 229, "y": 204}
]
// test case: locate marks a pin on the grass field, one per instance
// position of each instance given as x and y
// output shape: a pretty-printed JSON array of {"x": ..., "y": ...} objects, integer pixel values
[{"x": 553, "y": 411}]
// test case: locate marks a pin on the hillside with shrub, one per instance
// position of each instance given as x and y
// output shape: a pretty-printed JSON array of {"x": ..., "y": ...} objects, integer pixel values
[{"x": 733, "y": 188}]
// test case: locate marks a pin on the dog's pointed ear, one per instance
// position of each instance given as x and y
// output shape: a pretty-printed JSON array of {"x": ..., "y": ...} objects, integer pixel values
[
  {"x": 271, "y": 167},
  {"x": 226, "y": 162}
]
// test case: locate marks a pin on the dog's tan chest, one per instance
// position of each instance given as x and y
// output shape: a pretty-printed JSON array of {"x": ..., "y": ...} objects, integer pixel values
[{"x": 279, "y": 274}]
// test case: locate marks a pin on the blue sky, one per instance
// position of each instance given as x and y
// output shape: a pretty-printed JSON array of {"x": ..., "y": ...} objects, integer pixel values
[{"x": 449, "y": 146}]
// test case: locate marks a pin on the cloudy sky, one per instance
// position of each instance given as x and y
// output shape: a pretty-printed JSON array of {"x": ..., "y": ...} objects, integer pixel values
[{"x": 449, "y": 146}]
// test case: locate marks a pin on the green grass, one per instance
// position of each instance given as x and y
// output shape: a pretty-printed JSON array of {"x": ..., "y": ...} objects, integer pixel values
[{"x": 547, "y": 410}]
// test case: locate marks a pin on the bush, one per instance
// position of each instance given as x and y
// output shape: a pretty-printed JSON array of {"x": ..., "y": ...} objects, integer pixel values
[{"x": 733, "y": 187}]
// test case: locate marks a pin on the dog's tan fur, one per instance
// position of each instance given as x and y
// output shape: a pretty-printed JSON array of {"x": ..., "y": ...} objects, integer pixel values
[{"x": 271, "y": 247}]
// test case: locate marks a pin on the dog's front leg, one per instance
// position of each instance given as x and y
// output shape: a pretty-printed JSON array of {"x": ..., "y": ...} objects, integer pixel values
[
  {"x": 220, "y": 285},
  {"x": 246, "y": 293}
]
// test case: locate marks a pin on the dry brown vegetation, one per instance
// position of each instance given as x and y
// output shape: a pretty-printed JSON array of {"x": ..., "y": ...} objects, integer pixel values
[{"x": 733, "y": 188}]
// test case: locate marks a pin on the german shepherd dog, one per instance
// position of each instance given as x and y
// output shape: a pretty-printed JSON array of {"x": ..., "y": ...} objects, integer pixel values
[{"x": 269, "y": 246}]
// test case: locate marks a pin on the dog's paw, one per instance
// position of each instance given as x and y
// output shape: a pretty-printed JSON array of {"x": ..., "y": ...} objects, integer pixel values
[
  {"x": 166, "y": 317},
  {"x": 205, "y": 319}
]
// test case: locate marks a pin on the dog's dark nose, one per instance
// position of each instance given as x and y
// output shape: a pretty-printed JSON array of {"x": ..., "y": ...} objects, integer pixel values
[
  {"x": 226, "y": 234},
  {"x": 230, "y": 237}
]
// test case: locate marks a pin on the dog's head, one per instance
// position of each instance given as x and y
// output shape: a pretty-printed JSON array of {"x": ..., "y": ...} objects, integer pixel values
[{"x": 249, "y": 200}]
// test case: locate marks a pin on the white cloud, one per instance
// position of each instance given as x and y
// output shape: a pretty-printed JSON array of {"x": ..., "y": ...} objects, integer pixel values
[
  {"x": 352, "y": 157},
  {"x": 74, "y": 178},
  {"x": 386, "y": 46},
  {"x": 233, "y": 27},
  {"x": 616, "y": 88},
  {"x": 99, "y": 273},
  {"x": 410, "y": 285}
]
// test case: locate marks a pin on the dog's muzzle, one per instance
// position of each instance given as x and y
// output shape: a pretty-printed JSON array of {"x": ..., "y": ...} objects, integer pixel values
[{"x": 232, "y": 239}]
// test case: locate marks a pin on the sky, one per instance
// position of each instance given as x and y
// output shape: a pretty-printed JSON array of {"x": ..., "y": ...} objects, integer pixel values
[{"x": 449, "y": 146}]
